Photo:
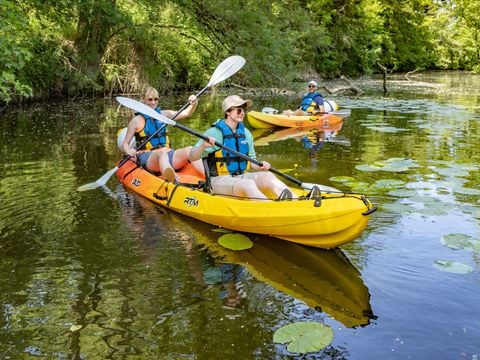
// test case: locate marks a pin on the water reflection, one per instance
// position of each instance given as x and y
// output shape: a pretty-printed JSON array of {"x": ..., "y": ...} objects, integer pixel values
[{"x": 323, "y": 280}]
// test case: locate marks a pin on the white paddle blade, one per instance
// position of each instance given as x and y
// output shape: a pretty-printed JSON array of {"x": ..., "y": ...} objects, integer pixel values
[
  {"x": 100, "y": 182},
  {"x": 144, "y": 109},
  {"x": 227, "y": 68}
]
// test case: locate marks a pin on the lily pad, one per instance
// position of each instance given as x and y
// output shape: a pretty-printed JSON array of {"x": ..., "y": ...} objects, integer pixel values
[
  {"x": 368, "y": 168},
  {"x": 304, "y": 337},
  {"x": 222, "y": 230},
  {"x": 390, "y": 165},
  {"x": 466, "y": 191},
  {"x": 235, "y": 241},
  {"x": 342, "y": 179},
  {"x": 458, "y": 241},
  {"x": 452, "y": 266},
  {"x": 402, "y": 193}
]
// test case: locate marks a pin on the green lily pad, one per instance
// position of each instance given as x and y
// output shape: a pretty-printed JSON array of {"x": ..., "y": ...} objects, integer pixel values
[
  {"x": 222, "y": 230},
  {"x": 452, "y": 266},
  {"x": 304, "y": 337},
  {"x": 235, "y": 241},
  {"x": 451, "y": 172},
  {"x": 402, "y": 193},
  {"x": 368, "y": 168},
  {"x": 466, "y": 191},
  {"x": 458, "y": 241},
  {"x": 390, "y": 165},
  {"x": 342, "y": 179}
]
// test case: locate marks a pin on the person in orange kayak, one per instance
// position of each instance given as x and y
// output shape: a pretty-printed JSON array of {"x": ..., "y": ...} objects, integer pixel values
[
  {"x": 229, "y": 174},
  {"x": 156, "y": 155}
]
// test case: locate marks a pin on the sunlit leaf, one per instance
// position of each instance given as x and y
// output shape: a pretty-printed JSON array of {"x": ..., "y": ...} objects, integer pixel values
[
  {"x": 235, "y": 241},
  {"x": 74, "y": 328},
  {"x": 458, "y": 241},
  {"x": 304, "y": 337},
  {"x": 452, "y": 266}
]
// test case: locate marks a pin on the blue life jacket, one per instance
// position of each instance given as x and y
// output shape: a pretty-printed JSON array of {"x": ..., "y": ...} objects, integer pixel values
[
  {"x": 151, "y": 126},
  {"x": 308, "y": 104},
  {"x": 223, "y": 162}
]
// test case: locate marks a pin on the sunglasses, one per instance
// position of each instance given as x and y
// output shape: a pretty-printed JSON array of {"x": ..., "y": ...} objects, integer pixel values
[
  {"x": 311, "y": 86},
  {"x": 152, "y": 99},
  {"x": 238, "y": 110}
]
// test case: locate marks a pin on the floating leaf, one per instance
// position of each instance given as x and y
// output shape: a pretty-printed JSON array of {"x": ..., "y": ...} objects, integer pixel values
[
  {"x": 368, "y": 168},
  {"x": 388, "y": 183},
  {"x": 458, "y": 241},
  {"x": 235, "y": 241},
  {"x": 466, "y": 191},
  {"x": 304, "y": 337},
  {"x": 222, "y": 230},
  {"x": 402, "y": 193},
  {"x": 74, "y": 328},
  {"x": 342, "y": 179},
  {"x": 453, "y": 171},
  {"x": 452, "y": 266}
]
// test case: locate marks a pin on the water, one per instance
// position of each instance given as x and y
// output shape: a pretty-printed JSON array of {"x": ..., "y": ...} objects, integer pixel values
[{"x": 106, "y": 274}]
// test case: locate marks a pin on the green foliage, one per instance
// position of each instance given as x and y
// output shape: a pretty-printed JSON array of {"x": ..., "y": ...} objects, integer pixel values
[{"x": 52, "y": 48}]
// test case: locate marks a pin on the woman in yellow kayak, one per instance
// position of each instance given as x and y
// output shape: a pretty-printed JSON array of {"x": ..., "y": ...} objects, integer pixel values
[{"x": 229, "y": 174}]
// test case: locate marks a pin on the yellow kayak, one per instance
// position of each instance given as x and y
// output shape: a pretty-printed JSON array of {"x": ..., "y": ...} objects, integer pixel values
[{"x": 335, "y": 219}]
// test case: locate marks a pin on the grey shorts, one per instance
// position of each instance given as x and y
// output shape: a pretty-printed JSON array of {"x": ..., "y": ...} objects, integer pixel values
[{"x": 142, "y": 157}]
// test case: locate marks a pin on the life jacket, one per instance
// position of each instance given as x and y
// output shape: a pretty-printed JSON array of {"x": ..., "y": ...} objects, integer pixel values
[
  {"x": 222, "y": 162},
  {"x": 151, "y": 126},
  {"x": 308, "y": 104}
]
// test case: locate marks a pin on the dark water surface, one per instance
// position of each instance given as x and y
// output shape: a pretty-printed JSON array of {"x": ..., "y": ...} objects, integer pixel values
[{"x": 106, "y": 274}]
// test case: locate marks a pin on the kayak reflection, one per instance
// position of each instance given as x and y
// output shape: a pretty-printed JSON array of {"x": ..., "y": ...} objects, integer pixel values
[
  {"x": 324, "y": 280},
  {"x": 312, "y": 138}
]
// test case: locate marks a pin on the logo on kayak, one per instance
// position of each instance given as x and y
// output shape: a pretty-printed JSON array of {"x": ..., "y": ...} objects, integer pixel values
[
  {"x": 191, "y": 201},
  {"x": 136, "y": 182}
]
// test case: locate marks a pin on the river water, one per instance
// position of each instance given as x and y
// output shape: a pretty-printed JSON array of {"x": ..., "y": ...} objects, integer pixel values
[{"x": 107, "y": 274}]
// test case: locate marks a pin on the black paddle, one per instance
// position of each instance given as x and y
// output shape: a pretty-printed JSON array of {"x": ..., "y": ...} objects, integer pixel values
[{"x": 227, "y": 68}]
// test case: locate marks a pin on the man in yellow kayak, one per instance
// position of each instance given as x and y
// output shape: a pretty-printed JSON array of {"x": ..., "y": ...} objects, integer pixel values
[
  {"x": 229, "y": 174},
  {"x": 312, "y": 102}
]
